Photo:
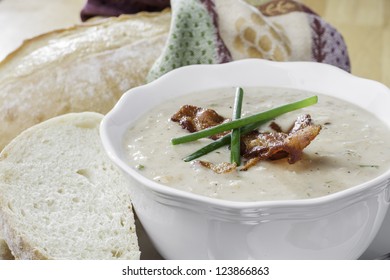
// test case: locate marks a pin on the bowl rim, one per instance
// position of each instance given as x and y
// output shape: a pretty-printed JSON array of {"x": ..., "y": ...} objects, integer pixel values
[{"x": 111, "y": 150}]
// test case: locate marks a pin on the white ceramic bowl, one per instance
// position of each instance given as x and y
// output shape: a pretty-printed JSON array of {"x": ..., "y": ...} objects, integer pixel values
[{"x": 188, "y": 226}]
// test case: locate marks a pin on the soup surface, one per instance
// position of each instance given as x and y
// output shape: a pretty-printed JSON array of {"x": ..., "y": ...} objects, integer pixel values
[{"x": 350, "y": 149}]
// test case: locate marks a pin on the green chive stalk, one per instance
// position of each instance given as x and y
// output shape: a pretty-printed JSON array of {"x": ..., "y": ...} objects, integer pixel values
[
  {"x": 263, "y": 116},
  {"x": 235, "y": 153},
  {"x": 223, "y": 141}
]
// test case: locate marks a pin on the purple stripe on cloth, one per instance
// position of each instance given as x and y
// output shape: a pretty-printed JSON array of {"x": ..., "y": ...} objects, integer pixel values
[
  {"x": 223, "y": 52},
  {"x": 117, "y": 7},
  {"x": 328, "y": 45}
]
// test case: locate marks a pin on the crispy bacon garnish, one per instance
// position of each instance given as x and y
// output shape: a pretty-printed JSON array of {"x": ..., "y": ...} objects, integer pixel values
[
  {"x": 258, "y": 146},
  {"x": 195, "y": 118},
  {"x": 255, "y": 146},
  {"x": 223, "y": 167}
]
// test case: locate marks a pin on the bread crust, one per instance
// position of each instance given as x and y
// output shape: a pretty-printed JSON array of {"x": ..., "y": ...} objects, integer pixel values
[
  {"x": 5, "y": 252},
  {"x": 18, "y": 246}
]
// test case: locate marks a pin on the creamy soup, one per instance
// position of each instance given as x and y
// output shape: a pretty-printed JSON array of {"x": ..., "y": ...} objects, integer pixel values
[{"x": 351, "y": 148}]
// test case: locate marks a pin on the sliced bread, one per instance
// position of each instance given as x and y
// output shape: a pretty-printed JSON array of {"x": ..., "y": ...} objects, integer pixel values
[{"x": 60, "y": 195}]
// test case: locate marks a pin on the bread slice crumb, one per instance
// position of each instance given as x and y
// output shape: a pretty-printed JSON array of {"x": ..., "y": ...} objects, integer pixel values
[{"x": 61, "y": 197}]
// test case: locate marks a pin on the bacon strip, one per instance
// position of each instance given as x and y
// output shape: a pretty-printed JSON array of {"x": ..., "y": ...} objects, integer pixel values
[
  {"x": 276, "y": 145},
  {"x": 219, "y": 168},
  {"x": 195, "y": 118}
]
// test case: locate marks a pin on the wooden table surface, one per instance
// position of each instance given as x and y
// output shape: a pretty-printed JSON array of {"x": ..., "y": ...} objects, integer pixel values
[{"x": 364, "y": 24}]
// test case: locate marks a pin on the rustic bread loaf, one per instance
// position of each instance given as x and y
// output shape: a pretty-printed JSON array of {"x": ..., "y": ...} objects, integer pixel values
[
  {"x": 84, "y": 68},
  {"x": 60, "y": 195}
]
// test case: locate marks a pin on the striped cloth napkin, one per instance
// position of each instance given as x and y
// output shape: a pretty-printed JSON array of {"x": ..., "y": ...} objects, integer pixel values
[{"x": 218, "y": 31}]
